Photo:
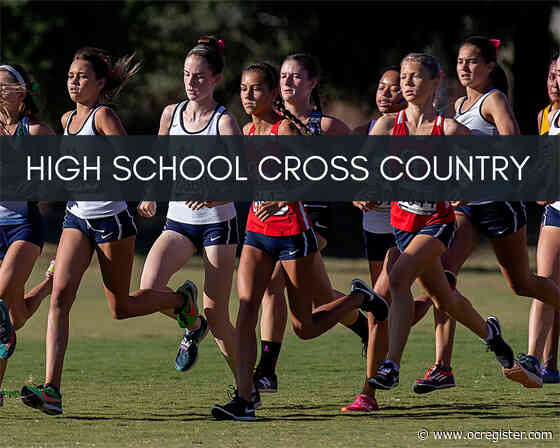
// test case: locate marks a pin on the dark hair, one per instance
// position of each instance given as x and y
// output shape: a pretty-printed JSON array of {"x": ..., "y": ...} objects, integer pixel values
[
  {"x": 313, "y": 69},
  {"x": 429, "y": 62},
  {"x": 271, "y": 79},
  {"x": 29, "y": 107},
  {"x": 116, "y": 74},
  {"x": 553, "y": 58},
  {"x": 489, "y": 53},
  {"x": 212, "y": 51},
  {"x": 390, "y": 68}
]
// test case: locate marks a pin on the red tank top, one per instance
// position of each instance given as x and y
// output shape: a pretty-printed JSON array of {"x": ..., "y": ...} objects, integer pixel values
[
  {"x": 289, "y": 220},
  {"x": 413, "y": 216}
]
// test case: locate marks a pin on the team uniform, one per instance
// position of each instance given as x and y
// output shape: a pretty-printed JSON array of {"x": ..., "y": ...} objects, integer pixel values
[
  {"x": 490, "y": 218},
  {"x": 286, "y": 235},
  {"x": 409, "y": 219},
  {"x": 551, "y": 214},
  {"x": 545, "y": 126},
  {"x": 376, "y": 225},
  {"x": 319, "y": 212},
  {"x": 100, "y": 221},
  {"x": 19, "y": 220},
  {"x": 207, "y": 226}
]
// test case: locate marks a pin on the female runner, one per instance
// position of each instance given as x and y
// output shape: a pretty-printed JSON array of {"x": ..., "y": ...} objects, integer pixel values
[
  {"x": 209, "y": 227},
  {"x": 281, "y": 231},
  {"x": 104, "y": 227},
  {"x": 543, "y": 318},
  {"x": 486, "y": 111},
  {"x": 424, "y": 230},
  {"x": 21, "y": 226},
  {"x": 301, "y": 103}
]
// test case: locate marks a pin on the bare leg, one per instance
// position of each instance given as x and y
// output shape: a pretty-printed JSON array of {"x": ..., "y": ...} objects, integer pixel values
[
  {"x": 72, "y": 259},
  {"x": 253, "y": 276},
  {"x": 169, "y": 253},
  {"x": 218, "y": 267},
  {"x": 542, "y": 316},
  {"x": 512, "y": 255}
]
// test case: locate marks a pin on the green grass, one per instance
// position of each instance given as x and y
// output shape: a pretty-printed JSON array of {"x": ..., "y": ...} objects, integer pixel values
[{"x": 120, "y": 388}]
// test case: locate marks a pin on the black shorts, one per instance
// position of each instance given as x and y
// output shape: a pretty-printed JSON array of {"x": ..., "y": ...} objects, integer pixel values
[
  {"x": 320, "y": 216},
  {"x": 496, "y": 219},
  {"x": 377, "y": 245}
]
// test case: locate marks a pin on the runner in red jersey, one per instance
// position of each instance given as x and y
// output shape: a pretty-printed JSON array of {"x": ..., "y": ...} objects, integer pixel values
[
  {"x": 424, "y": 230},
  {"x": 286, "y": 236}
]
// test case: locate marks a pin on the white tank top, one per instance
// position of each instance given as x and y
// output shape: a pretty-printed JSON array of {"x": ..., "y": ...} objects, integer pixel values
[
  {"x": 477, "y": 124},
  {"x": 91, "y": 209},
  {"x": 555, "y": 130},
  {"x": 178, "y": 211},
  {"x": 377, "y": 220}
]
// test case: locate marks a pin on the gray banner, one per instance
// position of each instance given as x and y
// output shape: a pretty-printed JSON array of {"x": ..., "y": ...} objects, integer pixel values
[{"x": 137, "y": 168}]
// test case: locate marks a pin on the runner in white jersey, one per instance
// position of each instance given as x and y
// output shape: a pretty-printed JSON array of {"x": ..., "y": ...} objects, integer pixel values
[
  {"x": 21, "y": 226},
  {"x": 209, "y": 227},
  {"x": 104, "y": 227},
  {"x": 485, "y": 110}
]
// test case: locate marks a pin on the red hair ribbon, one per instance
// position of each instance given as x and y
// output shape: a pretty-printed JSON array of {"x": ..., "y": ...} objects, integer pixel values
[
  {"x": 221, "y": 46},
  {"x": 496, "y": 43},
  {"x": 442, "y": 73}
]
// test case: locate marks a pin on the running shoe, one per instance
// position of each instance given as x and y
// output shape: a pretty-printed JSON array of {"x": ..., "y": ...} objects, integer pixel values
[
  {"x": 7, "y": 332},
  {"x": 436, "y": 378},
  {"x": 49, "y": 273},
  {"x": 237, "y": 409},
  {"x": 6, "y": 327},
  {"x": 373, "y": 302},
  {"x": 7, "y": 349},
  {"x": 46, "y": 399},
  {"x": 526, "y": 370},
  {"x": 187, "y": 314},
  {"x": 500, "y": 348},
  {"x": 265, "y": 383},
  {"x": 188, "y": 348},
  {"x": 362, "y": 403},
  {"x": 550, "y": 376},
  {"x": 386, "y": 378}
]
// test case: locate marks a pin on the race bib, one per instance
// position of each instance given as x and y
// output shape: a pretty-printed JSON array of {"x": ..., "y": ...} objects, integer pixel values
[{"x": 424, "y": 208}]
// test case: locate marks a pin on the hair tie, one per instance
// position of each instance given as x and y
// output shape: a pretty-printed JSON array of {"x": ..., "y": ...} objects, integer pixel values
[
  {"x": 442, "y": 73},
  {"x": 496, "y": 43},
  {"x": 221, "y": 46}
]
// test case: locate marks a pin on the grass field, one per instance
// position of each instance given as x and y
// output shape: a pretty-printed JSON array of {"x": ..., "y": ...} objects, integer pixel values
[{"x": 120, "y": 388}]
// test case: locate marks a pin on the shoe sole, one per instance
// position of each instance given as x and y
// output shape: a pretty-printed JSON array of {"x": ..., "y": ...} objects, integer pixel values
[
  {"x": 364, "y": 289},
  {"x": 424, "y": 388},
  {"x": 521, "y": 375},
  {"x": 31, "y": 399},
  {"x": 268, "y": 391},
  {"x": 372, "y": 382},
  {"x": 220, "y": 413}
]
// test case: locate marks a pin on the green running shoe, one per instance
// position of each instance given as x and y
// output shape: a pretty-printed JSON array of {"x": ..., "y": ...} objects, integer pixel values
[
  {"x": 187, "y": 314},
  {"x": 47, "y": 399}
]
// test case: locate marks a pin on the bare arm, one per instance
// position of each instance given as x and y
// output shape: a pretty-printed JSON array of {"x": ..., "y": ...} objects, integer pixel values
[
  {"x": 452, "y": 127},
  {"x": 108, "y": 123},
  {"x": 40, "y": 129},
  {"x": 228, "y": 125},
  {"x": 384, "y": 126},
  {"x": 496, "y": 109},
  {"x": 333, "y": 126}
]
